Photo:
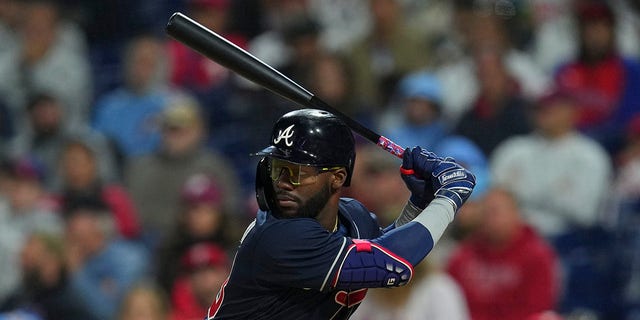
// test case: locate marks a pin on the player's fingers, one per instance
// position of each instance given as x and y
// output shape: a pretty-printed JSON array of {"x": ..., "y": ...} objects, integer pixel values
[{"x": 407, "y": 162}]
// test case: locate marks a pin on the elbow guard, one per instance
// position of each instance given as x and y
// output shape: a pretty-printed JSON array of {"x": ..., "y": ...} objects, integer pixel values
[{"x": 369, "y": 265}]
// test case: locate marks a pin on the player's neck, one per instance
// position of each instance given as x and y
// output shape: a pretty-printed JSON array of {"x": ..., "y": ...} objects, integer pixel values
[{"x": 328, "y": 217}]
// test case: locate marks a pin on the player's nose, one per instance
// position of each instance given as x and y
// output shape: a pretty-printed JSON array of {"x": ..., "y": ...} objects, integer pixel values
[{"x": 284, "y": 180}]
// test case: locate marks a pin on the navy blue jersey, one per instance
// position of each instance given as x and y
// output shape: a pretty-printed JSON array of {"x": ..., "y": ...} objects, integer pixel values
[{"x": 284, "y": 268}]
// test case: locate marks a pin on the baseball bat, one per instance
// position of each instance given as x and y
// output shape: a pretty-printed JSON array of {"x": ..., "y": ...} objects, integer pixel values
[{"x": 227, "y": 54}]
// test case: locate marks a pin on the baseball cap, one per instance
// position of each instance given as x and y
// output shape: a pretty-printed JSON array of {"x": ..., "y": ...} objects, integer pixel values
[
  {"x": 558, "y": 93},
  {"x": 181, "y": 113},
  {"x": 200, "y": 188},
  {"x": 205, "y": 254},
  {"x": 594, "y": 10},
  {"x": 422, "y": 85}
]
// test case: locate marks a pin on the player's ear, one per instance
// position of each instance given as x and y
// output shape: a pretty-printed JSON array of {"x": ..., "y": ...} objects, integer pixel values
[{"x": 339, "y": 178}]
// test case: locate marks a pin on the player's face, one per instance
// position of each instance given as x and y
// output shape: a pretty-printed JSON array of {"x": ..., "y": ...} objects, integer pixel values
[{"x": 301, "y": 191}]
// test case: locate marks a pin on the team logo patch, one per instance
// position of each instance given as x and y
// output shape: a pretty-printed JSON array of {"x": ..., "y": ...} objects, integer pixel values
[
  {"x": 285, "y": 134},
  {"x": 456, "y": 175}
]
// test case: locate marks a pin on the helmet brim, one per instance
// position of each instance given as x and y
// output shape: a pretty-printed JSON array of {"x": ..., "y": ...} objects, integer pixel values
[{"x": 296, "y": 156}]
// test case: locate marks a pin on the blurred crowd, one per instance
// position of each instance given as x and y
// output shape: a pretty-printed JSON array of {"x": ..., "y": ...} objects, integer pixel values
[{"x": 126, "y": 178}]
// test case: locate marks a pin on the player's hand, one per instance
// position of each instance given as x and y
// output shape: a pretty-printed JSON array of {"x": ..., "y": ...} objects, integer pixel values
[
  {"x": 416, "y": 174},
  {"x": 453, "y": 182}
]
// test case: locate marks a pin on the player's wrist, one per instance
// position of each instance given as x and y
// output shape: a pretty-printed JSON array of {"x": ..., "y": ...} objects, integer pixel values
[{"x": 409, "y": 212}]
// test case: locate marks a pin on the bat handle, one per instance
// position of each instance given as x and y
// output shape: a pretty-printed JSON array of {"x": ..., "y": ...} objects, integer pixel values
[{"x": 390, "y": 146}]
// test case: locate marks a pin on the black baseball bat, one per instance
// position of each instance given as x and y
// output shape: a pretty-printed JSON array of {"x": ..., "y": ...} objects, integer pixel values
[{"x": 227, "y": 54}]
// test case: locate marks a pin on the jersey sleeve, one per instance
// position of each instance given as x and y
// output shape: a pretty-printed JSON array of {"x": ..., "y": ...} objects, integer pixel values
[{"x": 298, "y": 253}]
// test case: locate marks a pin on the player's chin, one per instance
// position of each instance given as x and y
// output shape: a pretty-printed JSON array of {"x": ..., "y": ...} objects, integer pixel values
[{"x": 288, "y": 208}]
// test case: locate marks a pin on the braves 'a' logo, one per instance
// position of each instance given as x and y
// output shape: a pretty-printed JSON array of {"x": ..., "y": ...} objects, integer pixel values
[{"x": 285, "y": 134}]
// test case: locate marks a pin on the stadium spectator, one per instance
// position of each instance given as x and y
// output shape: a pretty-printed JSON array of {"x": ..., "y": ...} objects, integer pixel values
[
  {"x": 559, "y": 175},
  {"x": 302, "y": 36},
  {"x": 181, "y": 155},
  {"x": 144, "y": 301},
  {"x": 49, "y": 49},
  {"x": 45, "y": 287},
  {"x": 45, "y": 135},
  {"x": 388, "y": 51},
  {"x": 26, "y": 208},
  {"x": 607, "y": 79},
  {"x": 419, "y": 121},
  {"x": 499, "y": 111},
  {"x": 506, "y": 270},
  {"x": 102, "y": 266},
  {"x": 128, "y": 115},
  {"x": 331, "y": 80},
  {"x": 201, "y": 219},
  {"x": 205, "y": 267},
  {"x": 474, "y": 27},
  {"x": 81, "y": 184},
  {"x": 561, "y": 178}
]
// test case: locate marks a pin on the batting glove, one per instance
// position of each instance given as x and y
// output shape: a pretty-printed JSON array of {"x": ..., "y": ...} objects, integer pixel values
[
  {"x": 416, "y": 165},
  {"x": 453, "y": 182}
]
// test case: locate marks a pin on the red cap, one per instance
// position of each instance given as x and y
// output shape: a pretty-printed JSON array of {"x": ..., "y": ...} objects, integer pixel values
[
  {"x": 204, "y": 255},
  {"x": 594, "y": 10},
  {"x": 556, "y": 94},
  {"x": 201, "y": 188}
]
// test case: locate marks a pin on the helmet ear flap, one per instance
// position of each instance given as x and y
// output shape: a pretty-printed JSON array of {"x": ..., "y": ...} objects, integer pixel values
[{"x": 265, "y": 195}]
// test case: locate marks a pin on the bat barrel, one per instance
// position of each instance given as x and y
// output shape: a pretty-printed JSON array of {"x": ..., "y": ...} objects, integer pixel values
[{"x": 227, "y": 54}]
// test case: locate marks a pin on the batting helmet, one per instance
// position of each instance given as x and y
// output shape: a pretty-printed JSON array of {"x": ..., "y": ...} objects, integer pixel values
[
  {"x": 312, "y": 137},
  {"x": 307, "y": 137}
]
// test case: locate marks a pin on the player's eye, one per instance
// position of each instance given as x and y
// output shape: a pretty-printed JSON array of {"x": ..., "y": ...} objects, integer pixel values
[{"x": 292, "y": 170}]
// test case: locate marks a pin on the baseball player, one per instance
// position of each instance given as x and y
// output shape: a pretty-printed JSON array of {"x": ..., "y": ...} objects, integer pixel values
[{"x": 311, "y": 254}]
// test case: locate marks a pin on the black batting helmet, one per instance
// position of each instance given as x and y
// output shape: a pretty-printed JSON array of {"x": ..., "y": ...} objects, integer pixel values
[
  {"x": 312, "y": 137},
  {"x": 308, "y": 137}
]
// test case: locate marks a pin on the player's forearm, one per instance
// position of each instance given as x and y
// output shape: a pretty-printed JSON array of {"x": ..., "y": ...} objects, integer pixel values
[
  {"x": 409, "y": 212},
  {"x": 414, "y": 240}
]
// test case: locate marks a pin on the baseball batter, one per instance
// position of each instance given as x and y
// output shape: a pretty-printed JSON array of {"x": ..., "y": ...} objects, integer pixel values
[{"x": 311, "y": 254}]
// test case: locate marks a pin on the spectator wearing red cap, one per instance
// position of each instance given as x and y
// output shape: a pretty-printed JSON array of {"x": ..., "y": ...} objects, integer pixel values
[
  {"x": 205, "y": 267},
  {"x": 202, "y": 220},
  {"x": 607, "y": 79}
]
